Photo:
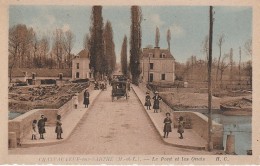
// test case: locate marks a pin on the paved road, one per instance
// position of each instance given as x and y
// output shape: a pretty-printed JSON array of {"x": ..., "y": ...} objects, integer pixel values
[{"x": 114, "y": 128}]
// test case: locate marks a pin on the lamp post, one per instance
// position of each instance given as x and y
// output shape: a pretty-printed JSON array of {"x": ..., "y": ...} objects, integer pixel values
[{"x": 149, "y": 69}]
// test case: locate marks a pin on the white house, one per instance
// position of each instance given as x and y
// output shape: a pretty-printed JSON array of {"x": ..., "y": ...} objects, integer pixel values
[
  {"x": 80, "y": 65},
  {"x": 158, "y": 65}
]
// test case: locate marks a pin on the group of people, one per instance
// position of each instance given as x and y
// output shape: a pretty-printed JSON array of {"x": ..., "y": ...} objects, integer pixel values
[
  {"x": 156, "y": 102},
  {"x": 167, "y": 121},
  {"x": 58, "y": 129},
  {"x": 86, "y": 96},
  {"x": 167, "y": 126},
  {"x": 41, "y": 127}
]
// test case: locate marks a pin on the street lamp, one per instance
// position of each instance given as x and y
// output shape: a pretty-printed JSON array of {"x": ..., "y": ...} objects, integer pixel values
[{"x": 149, "y": 69}]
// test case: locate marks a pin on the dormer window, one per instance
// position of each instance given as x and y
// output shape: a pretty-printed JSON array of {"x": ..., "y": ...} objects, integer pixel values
[
  {"x": 151, "y": 55},
  {"x": 163, "y": 55}
]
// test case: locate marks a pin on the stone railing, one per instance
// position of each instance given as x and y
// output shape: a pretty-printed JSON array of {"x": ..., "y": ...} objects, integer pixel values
[
  {"x": 199, "y": 123},
  {"x": 22, "y": 125}
]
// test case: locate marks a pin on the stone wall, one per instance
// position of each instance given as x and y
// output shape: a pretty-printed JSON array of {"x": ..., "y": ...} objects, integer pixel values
[
  {"x": 199, "y": 123},
  {"x": 22, "y": 125}
]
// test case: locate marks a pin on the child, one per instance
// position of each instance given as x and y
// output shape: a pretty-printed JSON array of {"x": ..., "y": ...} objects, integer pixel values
[
  {"x": 180, "y": 127},
  {"x": 147, "y": 101},
  {"x": 76, "y": 100},
  {"x": 58, "y": 129},
  {"x": 167, "y": 125},
  {"x": 34, "y": 129}
]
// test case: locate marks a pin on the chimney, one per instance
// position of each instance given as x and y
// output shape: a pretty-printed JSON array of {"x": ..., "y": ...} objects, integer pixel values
[{"x": 157, "y": 52}]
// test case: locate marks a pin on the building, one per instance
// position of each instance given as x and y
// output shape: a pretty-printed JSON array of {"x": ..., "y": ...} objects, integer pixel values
[
  {"x": 37, "y": 76},
  {"x": 80, "y": 65},
  {"x": 158, "y": 65}
]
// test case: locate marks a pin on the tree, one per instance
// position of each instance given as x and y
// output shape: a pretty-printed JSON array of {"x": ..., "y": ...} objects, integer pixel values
[
  {"x": 86, "y": 42},
  {"x": 68, "y": 42},
  {"x": 248, "y": 47},
  {"x": 231, "y": 65},
  {"x": 96, "y": 42},
  {"x": 135, "y": 43},
  {"x": 157, "y": 37},
  {"x": 57, "y": 47},
  {"x": 19, "y": 42},
  {"x": 223, "y": 65},
  {"x": 109, "y": 61},
  {"x": 124, "y": 56},
  {"x": 45, "y": 47},
  {"x": 219, "y": 43},
  {"x": 169, "y": 39}
]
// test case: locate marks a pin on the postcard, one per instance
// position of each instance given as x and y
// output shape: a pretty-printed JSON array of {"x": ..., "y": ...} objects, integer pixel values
[{"x": 141, "y": 82}]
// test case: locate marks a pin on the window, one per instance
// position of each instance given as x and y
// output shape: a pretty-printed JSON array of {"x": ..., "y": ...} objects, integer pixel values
[
  {"x": 151, "y": 65},
  {"x": 150, "y": 55},
  {"x": 163, "y": 77},
  {"x": 33, "y": 76},
  {"x": 77, "y": 65},
  {"x": 162, "y": 55},
  {"x": 60, "y": 76},
  {"x": 77, "y": 75}
]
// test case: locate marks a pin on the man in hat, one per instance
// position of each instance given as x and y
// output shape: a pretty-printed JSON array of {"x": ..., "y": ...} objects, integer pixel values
[
  {"x": 41, "y": 126},
  {"x": 86, "y": 98},
  {"x": 156, "y": 99}
]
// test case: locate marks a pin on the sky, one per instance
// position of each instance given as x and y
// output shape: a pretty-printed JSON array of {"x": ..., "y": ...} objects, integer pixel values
[{"x": 189, "y": 26}]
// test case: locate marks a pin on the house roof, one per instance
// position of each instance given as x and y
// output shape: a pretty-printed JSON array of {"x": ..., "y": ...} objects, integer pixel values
[
  {"x": 83, "y": 54},
  {"x": 147, "y": 51},
  {"x": 41, "y": 72}
]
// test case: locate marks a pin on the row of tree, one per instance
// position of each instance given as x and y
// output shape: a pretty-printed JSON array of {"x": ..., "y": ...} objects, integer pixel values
[
  {"x": 101, "y": 45},
  {"x": 28, "y": 50}
]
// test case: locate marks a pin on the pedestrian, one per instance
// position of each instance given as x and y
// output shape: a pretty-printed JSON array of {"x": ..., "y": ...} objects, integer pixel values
[
  {"x": 34, "y": 129},
  {"x": 76, "y": 100},
  {"x": 156, "y": 99},
  {"x": 41, "y": 126},
  {"x": 167, "y": 125},
  {"x": 148, "y": 101},
  {"x": 180, "y": 127},
  {"x": 58, "y": 128},
  {"x": 86, "y": 98}
]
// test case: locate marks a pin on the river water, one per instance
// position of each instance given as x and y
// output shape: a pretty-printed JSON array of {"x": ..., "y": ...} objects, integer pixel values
[
  {"x": 241, "y": 127},
  {"x": 12, "y": 115}
]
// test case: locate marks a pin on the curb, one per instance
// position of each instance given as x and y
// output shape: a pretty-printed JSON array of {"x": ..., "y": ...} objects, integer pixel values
[
  {"x": 39, "y": 144},
  {"x": 161, "y": 136}
]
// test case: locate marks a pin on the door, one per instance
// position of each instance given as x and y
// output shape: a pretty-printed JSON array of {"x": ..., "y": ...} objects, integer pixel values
[{"x": 151, "y": 77}]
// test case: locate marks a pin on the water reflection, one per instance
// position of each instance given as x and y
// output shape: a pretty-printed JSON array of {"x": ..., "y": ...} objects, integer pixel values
[
  {"x": 12, "y": 115},
  {"x": 241, "y": 127}
]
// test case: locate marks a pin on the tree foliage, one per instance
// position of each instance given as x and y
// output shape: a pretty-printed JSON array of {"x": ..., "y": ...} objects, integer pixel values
[
  {"x": 157, "y": 37},
  {"x": 110, "y": 55},
  {"x": 97, "y": 42},
  {"x": 169, "y": 39},
  {"x": 124, "y": 56},
  {"x": 135, "y": 43}
]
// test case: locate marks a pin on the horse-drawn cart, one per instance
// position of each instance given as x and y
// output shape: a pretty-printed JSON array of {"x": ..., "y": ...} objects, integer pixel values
[{"x": 119, "y": 88}]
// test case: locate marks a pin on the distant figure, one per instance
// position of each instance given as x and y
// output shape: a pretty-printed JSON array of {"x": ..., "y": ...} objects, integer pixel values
[
  {"x": 76, "y": 100},
  {"x": 167, "y": 125},
  {"x": 86, "y": 98},
  {"x": 34, "y": 129},
  {"x": 180, "y": 127},
  {"x": 148, "y": 101},
  {"x": 41, "y": 126},
  {"x": 58, "y": 128},
  {"x": 156, "y": 99}
]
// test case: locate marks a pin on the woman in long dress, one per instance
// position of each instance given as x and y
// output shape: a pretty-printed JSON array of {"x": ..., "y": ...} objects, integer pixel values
[
  {"x": 58, "y": 129},
  {"x": 156, "y": 99},
  {"x": 86, "y": 98},
  {"x": 167, "y": 125}
]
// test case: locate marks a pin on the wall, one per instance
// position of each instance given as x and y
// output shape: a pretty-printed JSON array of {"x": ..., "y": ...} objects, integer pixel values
[
  {"x": 22, "y": 124},
  {"x": 161, "y": 66},
  {"x": 83, "y": 68},
  {"x": 199, "y": 123}
]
